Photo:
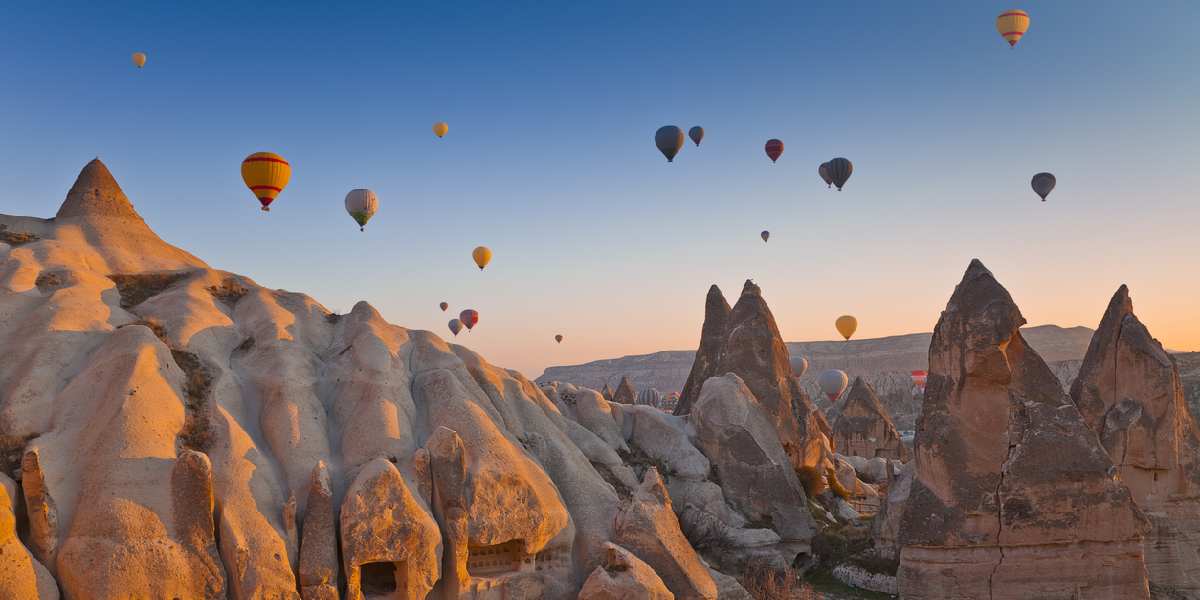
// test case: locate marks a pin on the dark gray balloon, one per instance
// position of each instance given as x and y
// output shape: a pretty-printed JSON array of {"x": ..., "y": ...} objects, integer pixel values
[
  {"x": 823, "y": 171},
  {"x": 697, "y": 134},
  {"x": 1043, "y": 184},
  {"x": 840, "y": 170},
  {"x": 669, "y": 140}
]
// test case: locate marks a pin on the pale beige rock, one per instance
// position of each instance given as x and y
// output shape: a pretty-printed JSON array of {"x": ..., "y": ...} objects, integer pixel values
[
  {"x": 391, "y": 546},
  {"x": 40, "y": 508},
  {"x": 624, "y": 576},
  {"x": 318, "y": 547},
  {"x": 21, "y": 575}
]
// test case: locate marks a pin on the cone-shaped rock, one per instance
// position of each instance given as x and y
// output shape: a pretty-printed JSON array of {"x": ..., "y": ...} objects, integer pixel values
[
  {"x": 863, "y": 426},
  {"x": 96, "y": 194},
  {"x": 626, "y": 393},
  {"x": 712, "y": 339},
  {"x": 1011, "y": 488},
  {"x": 1129, "y": 392},
  {"x": 607, "y": 392}
]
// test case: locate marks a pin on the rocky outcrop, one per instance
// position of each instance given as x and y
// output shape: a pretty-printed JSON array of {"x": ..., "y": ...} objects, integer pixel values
[
  {"x": 863, "y": 427},
  {"x": 1129, "y": 392},
  {"x": 1013, "y": 497},
  {"x": 625, "y": 394},
  {"x": 21, "y": 575},
  {"x": 623, "y": 576},
  {"x": 607, "y": 392},
  {"x": 318, "y": 547},
  {"x": 712, "y": 340}
]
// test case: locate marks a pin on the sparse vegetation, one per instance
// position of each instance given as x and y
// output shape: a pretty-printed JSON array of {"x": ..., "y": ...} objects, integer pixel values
[
  {"x": 12, "y": 448},
  {"x": 812, "y": 480},
  {"x": 137, "y": 288},
  {"x": 16, "y": 238},
  {"x": 228, "y": 292},
  {"x": 767, "y": 582},
  {"x": 196, "y": 433},
  {"x": 159, "y": 331},
  {"x": 50, "y": 280}
]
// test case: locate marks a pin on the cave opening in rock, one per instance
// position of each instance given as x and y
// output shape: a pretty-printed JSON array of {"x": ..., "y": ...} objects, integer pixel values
[
  {"x": 490, "y": 561},
  {"x": 378, "y": 579}
]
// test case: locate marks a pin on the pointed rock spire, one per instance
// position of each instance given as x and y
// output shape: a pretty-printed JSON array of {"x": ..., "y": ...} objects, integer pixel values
[
  {"x": 712, "y": 338},
  {"x": 96, "y": 194},
  {"x": 626, "y": 393},
  {"x": 864, "y": 428}
]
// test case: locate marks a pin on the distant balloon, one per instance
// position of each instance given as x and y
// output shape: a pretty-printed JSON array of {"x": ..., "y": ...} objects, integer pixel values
[
  {"x": 697, "y": 134},
  {"x": 669, "y": 140},
  {"x": 774, "y": 149},
  {"x": 482, "y": 256},
  {"x": 1043, "y": 184},
  {"x": 444, "y": 306},
  {"x": 440, "y": 128},
  {"x": 558, "y": 338},
  {"x": 266, "y": 174},
  {"x": 823, "y": 171},
  {"x": 469, "y": 318},
  {"x": 918, "y": 379},
  {"x": 139, "y": 59},
  {"x": 846, "y": 325},
  {"x": 765, "y": 235},
  {"x": 1012, "y": 24},
  {"x": 799, "y": 365},
  {"x": 455, "y": 326},
  {"x": 833, "y": 383},
  {"x": 840, "y": 170},
  {"x": 361, "y": 204}
]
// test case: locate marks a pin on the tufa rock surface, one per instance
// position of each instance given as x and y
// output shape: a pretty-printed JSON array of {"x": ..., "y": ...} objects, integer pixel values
[
  {"x": 864, "y": 428},
  {"x": 625, "y": 394},
  {"x": 623, "y": 576}
]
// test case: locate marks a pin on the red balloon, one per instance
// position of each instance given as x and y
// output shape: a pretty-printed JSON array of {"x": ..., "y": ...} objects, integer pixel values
[
  {"x": 444, "y": 306},
  {"x": 774, "y": 149},
  {"x": 469, "y": 318}
]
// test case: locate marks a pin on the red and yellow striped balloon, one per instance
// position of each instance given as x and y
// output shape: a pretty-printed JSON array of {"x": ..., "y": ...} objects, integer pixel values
[
  {"x": 266, "y": 174},
  {"x": 1012, "y": 24}
]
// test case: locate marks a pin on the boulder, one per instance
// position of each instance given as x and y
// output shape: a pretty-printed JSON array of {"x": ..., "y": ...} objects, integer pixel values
[
  {"x": 1130, "y": 393},
  {"x": 623, "y": 576},
  {"x": 1011, "y": 488},
  {"x": 863, "y": 426}
]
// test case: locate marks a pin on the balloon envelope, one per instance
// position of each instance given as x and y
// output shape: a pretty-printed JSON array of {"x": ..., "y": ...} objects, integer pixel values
[
  {"x": 139, "y": 59},
  {"x": 697, "y": 134},
  {"x": 918, "y": 379},
  {"x": 823, "y": 171},
  {"x": 455, "y": 326},
  {"x": 669, "y": 140},
  {"x": 774, "y": 149},
  {"x": 444, "y": 306},
  {"x": 469, "y": 318},
  {"x": 846, "y": 325},
  {"x": 765, "y": 235},
  {"x": 1012, "y": 24},
  {"x": 840, "y": 170},
  {"x": 361, "y": 204},
  {"x": 482, "y": 255},
  {"x": 1043, "y": 184},
  {"x": 440, "y": 128},
  {"x": 799, "y": 365},
  {"x": 558, "y": 338},
  {"x": 266, "y": 174},
  {"x": 833, "y": 383}
]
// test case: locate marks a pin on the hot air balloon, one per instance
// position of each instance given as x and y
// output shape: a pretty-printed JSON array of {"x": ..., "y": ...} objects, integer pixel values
[
  {"x": 444, "y": 306},
  {"x": 1012, "y": 24},
  {"x": 440, "y": 128},
  {"x": 833, "y": 383},
  {"x": 823, "y": 171},
  {"x": 765, "y": 235},
  {"x": 558, "y": 338},
  {"x": 846, "y": 325},
  {"x": 774, "y": 149},
  {"x": 669, "y": 140},
  {"x": 482, "y": 256},
  {"x": 469, "y": 318},
  {"x": 799, "y": 365},
  {"x": 840, "y": 170},
  {"x": 266, "y": 174},
  {"x": 697, "y": 134},
  {"x": 1043, "y": 184},
  {"x": 455, "y": 326},
  {"x": 918, "y": 379},
  {"x": 361, "y": 204},
  {"x": 139, "y": 59}
]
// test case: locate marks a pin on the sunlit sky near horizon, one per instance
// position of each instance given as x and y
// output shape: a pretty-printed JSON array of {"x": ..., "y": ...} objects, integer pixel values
[{"x": 550, "y": 158}]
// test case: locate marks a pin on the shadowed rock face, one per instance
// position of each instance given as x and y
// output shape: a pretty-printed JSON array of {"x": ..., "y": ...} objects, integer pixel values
[
  {"x": 1011, "y": 487},
  {"x": 626, "y": 393},
  {"x": 863, "y": 427},
  {"x": 746, "y": 341},
  {"x": 1129, "y": 392}
]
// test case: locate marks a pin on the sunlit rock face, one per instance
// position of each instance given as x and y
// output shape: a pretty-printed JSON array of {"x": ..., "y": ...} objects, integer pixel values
[
  {"x": 1129, "y": 393},
  {"x": 1013, "y": 496}
]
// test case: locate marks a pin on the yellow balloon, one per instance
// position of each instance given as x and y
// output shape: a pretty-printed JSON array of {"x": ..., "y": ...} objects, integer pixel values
[
  {"x": 482, "y": 256},
  {"x": 139, "y": 59},
  {"x": 846, "y": 325},
  {"x": 1012, "y": 24},
  {"x": 440, "y": 128},
  {"x": 266, "y": 174}
]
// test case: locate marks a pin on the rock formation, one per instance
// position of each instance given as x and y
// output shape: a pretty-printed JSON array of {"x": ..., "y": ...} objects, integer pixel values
[
  {"x": 607, "y": 392},
  {"x": 319, "y": 547},
  {"x": 712, "y": 340},
  {"x": 21, "y": 575},
  {"x": 1129, "y": 393},
  {"x": 626, "y": 393},
  {"x": 1013, "y": 497},
  {"x": 623, "y": 576},
  {"x": 863, "y": 427}
]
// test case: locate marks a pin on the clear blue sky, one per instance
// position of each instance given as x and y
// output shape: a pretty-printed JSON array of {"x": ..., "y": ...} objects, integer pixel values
[{"x": 552, "y": 108}]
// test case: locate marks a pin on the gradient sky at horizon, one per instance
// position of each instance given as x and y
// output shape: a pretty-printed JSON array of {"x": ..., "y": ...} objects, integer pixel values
[{"x": 550, "y": 160}]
